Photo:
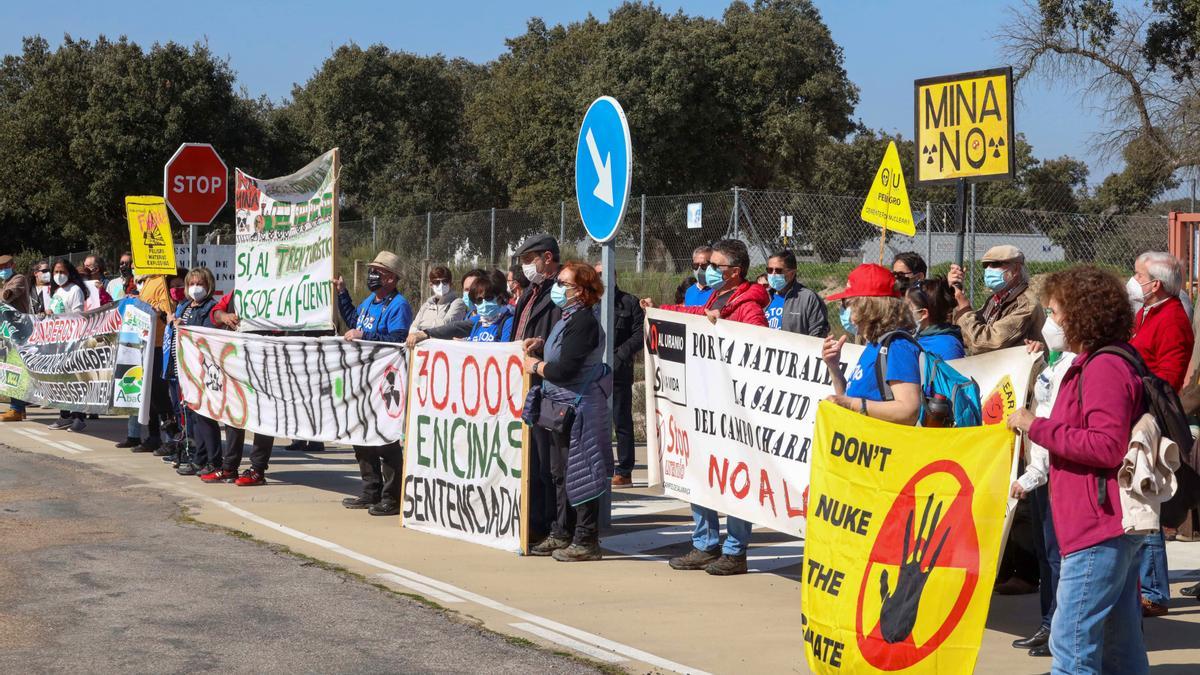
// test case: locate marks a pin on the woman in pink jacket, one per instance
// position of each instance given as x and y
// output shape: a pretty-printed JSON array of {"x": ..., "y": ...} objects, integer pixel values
[{"x": 1097, "y": 626}]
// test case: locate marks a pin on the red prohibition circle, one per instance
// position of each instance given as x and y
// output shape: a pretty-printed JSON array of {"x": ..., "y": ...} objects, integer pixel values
[{"x": 961, "y": 552}]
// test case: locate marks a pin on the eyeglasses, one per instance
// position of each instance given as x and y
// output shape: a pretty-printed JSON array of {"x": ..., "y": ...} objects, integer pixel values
[
  {"x": 564, "y": 284},
  {"x": 993, "y": 264},
  {"x": 439, "y": 281},
  {"x": 696, "y": 265},
  {"x": 777, "y": 270}
]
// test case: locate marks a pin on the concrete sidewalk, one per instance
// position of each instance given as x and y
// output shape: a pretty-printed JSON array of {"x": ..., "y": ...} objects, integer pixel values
[{"x": 630, "y": 610}]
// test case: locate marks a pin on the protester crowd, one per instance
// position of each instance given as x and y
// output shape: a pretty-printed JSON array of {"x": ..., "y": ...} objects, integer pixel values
[{"x": 1069, "y": 543}]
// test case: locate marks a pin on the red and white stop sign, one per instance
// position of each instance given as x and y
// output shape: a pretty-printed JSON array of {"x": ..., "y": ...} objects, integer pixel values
[{"x": 195, "y": 184}]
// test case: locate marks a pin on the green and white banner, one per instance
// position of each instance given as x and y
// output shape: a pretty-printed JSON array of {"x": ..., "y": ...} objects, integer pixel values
[
  {"x": 98, "y": 361},
  {"x": 286, "y": 228}
]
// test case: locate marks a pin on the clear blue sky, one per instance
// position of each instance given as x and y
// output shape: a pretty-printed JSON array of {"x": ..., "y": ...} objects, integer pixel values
[{"x": 274, "y": 44}]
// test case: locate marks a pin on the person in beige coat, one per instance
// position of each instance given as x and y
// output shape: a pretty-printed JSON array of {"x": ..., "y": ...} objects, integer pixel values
[
  {"x": 1010, "y": 316},
  {"x": 443, "y": 305}
]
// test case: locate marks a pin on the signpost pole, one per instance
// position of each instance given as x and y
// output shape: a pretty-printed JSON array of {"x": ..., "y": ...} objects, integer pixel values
[
  {"x": 641, "y": 257},
  {"x": 928, "y": 233},
  {"x": 971, "y": 293},
  {"x": 960, "y": 218},
  {"x": 192, "y": 246},
  {"x": 608, "y": 321}
]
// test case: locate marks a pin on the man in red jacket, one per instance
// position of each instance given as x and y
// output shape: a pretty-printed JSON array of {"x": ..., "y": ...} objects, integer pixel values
[
  {"x": 1162, "y": 334},
  {"x": 735, "y": 299}
]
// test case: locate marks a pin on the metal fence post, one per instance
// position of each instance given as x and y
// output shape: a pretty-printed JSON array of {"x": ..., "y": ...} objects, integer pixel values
[
  {"x": 428, "y": 231},
  {"x": 928, "y": 233},
  {"x": 492, "y": 248},
  {"x": 736, "y": 224},
  {"x": 562, "y": 222},
  {"x": 641, "y": 256},
  {"x": 374, "y": 234}
]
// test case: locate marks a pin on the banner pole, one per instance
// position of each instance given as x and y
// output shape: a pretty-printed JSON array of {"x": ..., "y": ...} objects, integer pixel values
[
  {"x": 525, "y": 442},
  {"x": 336, "y": 168}
]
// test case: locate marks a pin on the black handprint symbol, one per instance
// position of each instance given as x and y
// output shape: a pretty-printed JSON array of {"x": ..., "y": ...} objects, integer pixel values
[{"x": 899, "y": 612}]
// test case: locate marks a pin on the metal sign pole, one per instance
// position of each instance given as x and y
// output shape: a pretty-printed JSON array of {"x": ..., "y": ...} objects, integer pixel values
[
  {"x": 192, "y": 246},
  {"x": 608, "y": 321}
]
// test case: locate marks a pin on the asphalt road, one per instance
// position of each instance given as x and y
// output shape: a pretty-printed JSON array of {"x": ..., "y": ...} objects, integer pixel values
[{"x": 99, "y": 575}]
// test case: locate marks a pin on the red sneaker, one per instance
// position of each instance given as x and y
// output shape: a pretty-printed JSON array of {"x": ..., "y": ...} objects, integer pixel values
[
  {"x": 250, "y": 477},
  {"x": 219, "y": 476}
]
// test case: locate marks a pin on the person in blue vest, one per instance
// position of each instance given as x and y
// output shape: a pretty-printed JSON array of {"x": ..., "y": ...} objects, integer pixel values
[
  {"x": 698, "y": 294},
  {"x": 493, "y": 313},
  {"x": 383, "y": 316},
  {"x": 794, "y": 307}
]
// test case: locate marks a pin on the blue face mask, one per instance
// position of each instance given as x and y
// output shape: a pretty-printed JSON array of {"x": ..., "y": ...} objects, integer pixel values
[
  {"x": 776, "y": 281},
  {"x": 488, "y": 309},
  {"x": 467, "y": 298},
  {"x": 713, "y": 276},
  {"x": 847, "y": 323},
  {"x": 558, "y": 294},
  {"x": 6, "y": 274},
  {"x": 993, "y": 278}
]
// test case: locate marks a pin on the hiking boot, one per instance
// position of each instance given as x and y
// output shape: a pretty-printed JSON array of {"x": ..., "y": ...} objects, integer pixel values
[
  {"x": 130, "y": 442},
  {"x": 359, "y": 502},
  {"x": 250, "y": 477},
  {"x": 727, "y": 565},
  {"x": 12, "y": 416},
  {"x": 695, "y": 559},
  {"x": 578, "y": 553},
  {"x": 77, "y": 425},
  {"x": 548, "y": 546},
  {"x": 1153, "y": 609},
  {"x": 385, "y": 508},
  {"x": 188, "y": 469},
  {"x": 60, "y": 423},
  {"x": 219, "y": 476},
  {"x": 620, "y": 481}
]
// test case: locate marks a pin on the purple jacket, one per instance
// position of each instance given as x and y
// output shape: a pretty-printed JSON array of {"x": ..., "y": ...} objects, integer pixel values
[{"x": 1087, "y": 444}]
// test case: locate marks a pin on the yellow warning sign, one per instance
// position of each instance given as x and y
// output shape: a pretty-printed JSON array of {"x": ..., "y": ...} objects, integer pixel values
[
  {"x": 964, "y": 127},
  {"x": 887, "y": 205},
  {"x": 150, "y": 235}
]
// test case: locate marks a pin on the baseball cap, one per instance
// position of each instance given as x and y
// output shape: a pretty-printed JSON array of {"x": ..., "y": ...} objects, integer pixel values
[{"x": 869, "y": 280}]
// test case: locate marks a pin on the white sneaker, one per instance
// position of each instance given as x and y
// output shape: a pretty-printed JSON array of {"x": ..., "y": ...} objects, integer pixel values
[{"x": 60, "y": 423}]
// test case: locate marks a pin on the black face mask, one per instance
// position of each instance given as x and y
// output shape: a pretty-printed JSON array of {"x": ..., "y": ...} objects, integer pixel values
[
  {"x": 126, "y": 271},
  {"x": 374, "y": 281}
]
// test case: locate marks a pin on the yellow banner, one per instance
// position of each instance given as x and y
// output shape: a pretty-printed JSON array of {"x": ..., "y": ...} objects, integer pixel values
[
  {"x": 150, "y": 235},
  {"x": 964, "y": 127},
  {"x": 904, "y": 533}
]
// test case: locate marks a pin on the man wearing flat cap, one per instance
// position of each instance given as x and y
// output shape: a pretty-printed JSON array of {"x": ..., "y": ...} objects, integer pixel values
[
  {"x": 1010, "y": 316},
  {"x": 383, "y": 316}
]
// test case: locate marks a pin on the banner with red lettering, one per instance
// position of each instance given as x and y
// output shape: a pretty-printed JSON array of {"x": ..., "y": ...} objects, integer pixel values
[
  {"x": 463, "y": 463},
  {"x": 730, "y": 410}
]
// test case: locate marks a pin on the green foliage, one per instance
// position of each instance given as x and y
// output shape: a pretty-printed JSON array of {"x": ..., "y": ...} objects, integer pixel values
[{"x": 1173, "y": 39}]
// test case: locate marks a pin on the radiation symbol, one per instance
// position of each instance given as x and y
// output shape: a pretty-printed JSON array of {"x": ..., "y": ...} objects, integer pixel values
[
  {"x": 922, "y": 570},
  {"x": 390, "y": 390}
]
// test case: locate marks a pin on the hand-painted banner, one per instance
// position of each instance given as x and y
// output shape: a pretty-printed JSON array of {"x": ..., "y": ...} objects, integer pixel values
[
  {"x": 314, "y": 389},
  {"x": 286, "y": 229},
  {"x": 150, "y": 235},
  {"x": 905, "y": 527},
  {"x": 463, "y": 464},
  {"x": 97, "y": 361},
  {"x": 730, "y": 411}
]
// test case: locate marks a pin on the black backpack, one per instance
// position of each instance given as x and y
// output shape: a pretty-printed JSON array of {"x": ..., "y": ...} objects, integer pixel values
[{"x": 1162, "y": 402}]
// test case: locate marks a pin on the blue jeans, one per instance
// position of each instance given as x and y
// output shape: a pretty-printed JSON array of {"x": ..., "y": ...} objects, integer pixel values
[
  {"x": 1098, "y": 625},
  {"x": 16, "y": 405},
  {"x": 707, "y": 534},
  {"x": 1049, "y": 557},
  {"x": 133, "y": 429},
  {"x": 1152, "y": 564}
]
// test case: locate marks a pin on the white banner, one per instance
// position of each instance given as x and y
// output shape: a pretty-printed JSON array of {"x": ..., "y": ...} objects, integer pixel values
[
  {"x": 218, "y": 258},
  {"x": 730, "y": 410},
  {"x": 463, "y": 464},
  {"x": 317, "y": 389},
  {"x": 285, "y": 240}
]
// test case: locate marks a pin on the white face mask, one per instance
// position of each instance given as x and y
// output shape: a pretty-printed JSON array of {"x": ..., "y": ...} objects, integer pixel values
[
  {"x": 197, "y": 292},
  {"x": 44, "y": 277},
  {"x": 532, "y": 273},
  {"x": 1137, "y": 293},
  {"x": 440, "y": 289},
  {"x": 60, "y": 279},
  {"x": 1053, "y": 335}
]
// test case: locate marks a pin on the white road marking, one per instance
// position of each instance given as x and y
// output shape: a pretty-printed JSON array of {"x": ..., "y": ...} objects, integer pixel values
[
  {"x": 39, "y": 432},
  {"x": 54, "y": 444},
  {"x": 761, "y": 557},
  {"x": 629, "y": 508},
  {"x": 420, "y": 588},
  {"x": 564, "y": 641},
  {"x": 77, "y": 446}
]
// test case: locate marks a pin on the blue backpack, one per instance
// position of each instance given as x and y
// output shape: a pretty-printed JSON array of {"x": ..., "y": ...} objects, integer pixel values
[{"x": 936, "y": 378}]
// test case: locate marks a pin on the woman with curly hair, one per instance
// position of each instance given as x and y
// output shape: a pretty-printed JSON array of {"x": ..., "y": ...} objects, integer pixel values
[
  {"x": 872, "y": 308},
  {"x": 1097, "y": 622}
]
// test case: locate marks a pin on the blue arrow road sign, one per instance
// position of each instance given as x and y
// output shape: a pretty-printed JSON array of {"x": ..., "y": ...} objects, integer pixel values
[{"x": 603, "y": 168}]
